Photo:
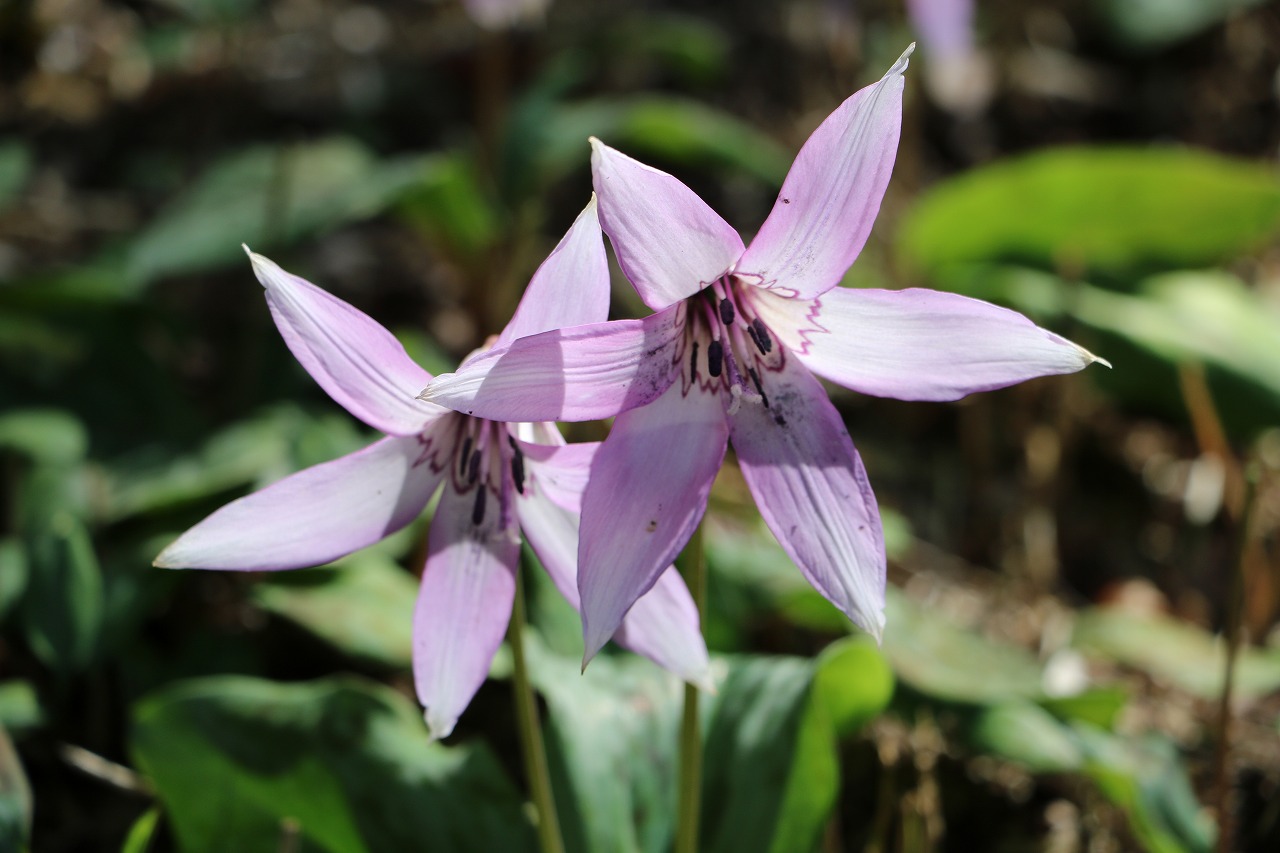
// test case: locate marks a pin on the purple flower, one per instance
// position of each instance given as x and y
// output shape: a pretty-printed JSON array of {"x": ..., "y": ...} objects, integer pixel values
[
  {"x": 498, "y": 479},
  {"x": 731, "y": 355}
]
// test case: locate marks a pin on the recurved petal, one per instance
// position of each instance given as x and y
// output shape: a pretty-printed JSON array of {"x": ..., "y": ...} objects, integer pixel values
[
  {"x": 813, "y": 492},
  {"x": 464, "y": 605},
  {"x": 832, "y": 194},
  {"x": 354, "y": 359},
  {"x": 918, "y": 344},
  {"x": 669, "y": 243},
  {"x": 662, "y": 625},
  {"x": 314, "y": 516},
  {"x": 647, "y": 493},
  {"x": 578, "y": 374},
  {"x": 571, "y": 288}
]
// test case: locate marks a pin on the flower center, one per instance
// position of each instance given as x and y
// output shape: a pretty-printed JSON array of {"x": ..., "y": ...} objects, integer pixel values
[
  {"x": 739, "y": 348},
  {"x": 487, "y": 459}
]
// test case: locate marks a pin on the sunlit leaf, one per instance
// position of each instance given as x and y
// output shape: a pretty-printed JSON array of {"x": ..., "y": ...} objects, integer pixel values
[
  {"x": 19, "y": 706},
  {"x": 45, "y": 435},
  {"x": 1174, "y": 651},
  {"x": 1025, "y": 733},
  {"x": 340, "y": 764},
  {"x": 948, "y": 662},
  {"x": 142, "y": 832},
  {"x": 266, "y": 197},
  {"x": 362, "y": 605},
  {"x": 1096, "y": 209}
]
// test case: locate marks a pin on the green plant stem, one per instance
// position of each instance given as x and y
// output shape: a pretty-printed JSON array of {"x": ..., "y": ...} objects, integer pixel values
[
  {"x": 1231, "y": 631},
  {"x": 693, "y": 564},
  {"x": 532, "y": 748}
]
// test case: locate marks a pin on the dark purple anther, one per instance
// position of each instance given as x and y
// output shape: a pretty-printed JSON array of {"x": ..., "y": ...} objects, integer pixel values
[
  {"x": 517, "y": 467},
  {"x": 693, "y": 361},
  {"x": 473, "y": 469},
  {"x": 465, "y": 456},
  {"x": 755, "y": 380},
  {"x": 762, "y": 336},
  {"x": 715, "y": 357},
  {"x": 726, "y": 312},
  {"x": 477, "y": 511}
]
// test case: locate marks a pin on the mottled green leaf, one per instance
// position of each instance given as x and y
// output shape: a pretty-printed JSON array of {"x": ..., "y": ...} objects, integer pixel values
[
  {"x": 339, "y": 764},
  {"x": 1096, "y": 209},
  {"x": 362, "y": 605}
]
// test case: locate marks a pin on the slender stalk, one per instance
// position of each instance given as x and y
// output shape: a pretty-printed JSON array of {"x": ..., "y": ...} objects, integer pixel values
[
  {"x": 693, "y": 564},
  {"x": 1231, "y": 630},
  {"x": 532, "y": 748}
]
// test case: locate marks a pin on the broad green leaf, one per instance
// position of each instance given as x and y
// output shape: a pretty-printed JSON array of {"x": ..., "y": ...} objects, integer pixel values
[
  {"x": 852, "y": 685},
  {"x": 62, "y": 609},
  {"x": 142, "y": 832},
  {"x": 1025, "y": 733},
  {"x": 15, "y": 798},
  {"x": 452, "y": 207},
  {"x": 268, "y": 446},
  {"x": 362, "y": 605},
  {"x": 1096, "y": 209},
  {"x": 667, "y": 128},
  {"x": 44, "y": 435},
  {"x": 950, "y": 663},
  {"x": 15, "y": 166},
  {"x": 611, "y": 737},
  {"x": 772, "y": 734},
  {"x": 266, "y": 197},
  {"x": 19, "y": 706},
  {"x": 1145, "y": 777},
  {"x": 344, "y": 762},
  {"x": 1155, "y": 24},
  {"x": 1175, "y": 651}
]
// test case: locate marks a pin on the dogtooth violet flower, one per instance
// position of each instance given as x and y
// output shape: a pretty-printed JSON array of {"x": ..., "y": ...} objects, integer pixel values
[
  {"x": 731, "y": 354},
  {"x": 498, "y": 479}
]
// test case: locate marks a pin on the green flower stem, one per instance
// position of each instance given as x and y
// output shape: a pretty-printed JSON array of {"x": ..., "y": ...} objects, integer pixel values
[
  {"x": 531, "y": 746},
  {"x": 693, "y": 564}
]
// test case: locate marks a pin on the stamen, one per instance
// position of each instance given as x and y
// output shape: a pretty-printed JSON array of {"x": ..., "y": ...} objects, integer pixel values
[
  {"x": 762, "y": 332},
  {"x": 755, "y": 338},
  {"x": 473, "y": 469},
  {"x": 755, "y": 380},
  {"x": 715, "y": 357},
  {"x": 464, "y": 457},
  {"x": 517, "y": 467},
  {"x": 477, "y": 511},
  {"x": 726, "y": 312},
  {"x": 693, "y": 361}
]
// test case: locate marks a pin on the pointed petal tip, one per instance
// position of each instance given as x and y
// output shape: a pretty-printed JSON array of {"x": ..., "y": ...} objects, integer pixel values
[
  {"x": 439, "y": 726},
  {"x": 903, "y": 61}
]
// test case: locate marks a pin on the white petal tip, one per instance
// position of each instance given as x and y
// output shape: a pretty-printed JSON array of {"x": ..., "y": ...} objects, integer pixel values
[
  {"x": 705, "y": 683},
  {"x": 901, "y": 65},
  {"x": 1097, "y": 359},
  {"x": 439, "y": 726},
  {"x": 247, "y": 250}
]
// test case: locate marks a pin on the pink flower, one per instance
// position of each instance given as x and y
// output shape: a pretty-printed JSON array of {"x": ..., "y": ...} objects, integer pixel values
[
  {"x": 731, "y": 355},
  {"x": 498, "y": 478}
]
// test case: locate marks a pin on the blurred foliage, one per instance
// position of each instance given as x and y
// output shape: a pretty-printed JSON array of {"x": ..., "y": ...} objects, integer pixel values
[{"x": 1120, "y": 187}]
